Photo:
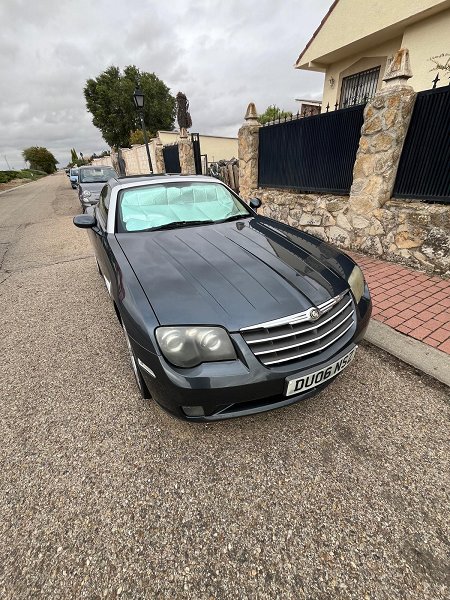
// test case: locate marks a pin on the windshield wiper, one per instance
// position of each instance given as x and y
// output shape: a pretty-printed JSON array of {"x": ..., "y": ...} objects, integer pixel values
[{"x": 175, "y": 224}]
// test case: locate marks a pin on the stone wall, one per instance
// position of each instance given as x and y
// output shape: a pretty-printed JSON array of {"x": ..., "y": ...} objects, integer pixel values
[
  {"x": 158, "y": 164},
  {"x": 136, "y": 161},
  {"x": 248, "y": 148},
  {"x": 386, "y": 120},
  {"x": 186, "y": 154},
  {"x": 104, "y": 161},
  {"x": 368, "y": 220},
  {"x": 413, "y": 233}
]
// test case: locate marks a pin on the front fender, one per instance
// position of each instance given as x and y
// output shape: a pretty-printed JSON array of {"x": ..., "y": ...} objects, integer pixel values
[{"x": 133, "y": 305}]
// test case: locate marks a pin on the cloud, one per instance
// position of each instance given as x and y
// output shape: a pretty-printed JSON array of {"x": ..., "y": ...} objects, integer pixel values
[{"x": 222, "y": 55}]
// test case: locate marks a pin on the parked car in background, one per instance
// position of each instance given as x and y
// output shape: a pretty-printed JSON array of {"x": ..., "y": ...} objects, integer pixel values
[
  {"x": 67, "y": 171},
  {"x": 73, "y": 177},
  {"x": 90, "y": 182},
  {"x": 224, "y": 312}
]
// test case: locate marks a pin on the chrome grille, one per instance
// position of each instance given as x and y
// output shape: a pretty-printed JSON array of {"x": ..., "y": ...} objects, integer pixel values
[{"x": 293, "y": 337}]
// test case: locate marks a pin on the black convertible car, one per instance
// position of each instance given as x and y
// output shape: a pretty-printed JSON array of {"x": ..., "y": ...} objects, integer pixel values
[{"x": 224, "y": 312}]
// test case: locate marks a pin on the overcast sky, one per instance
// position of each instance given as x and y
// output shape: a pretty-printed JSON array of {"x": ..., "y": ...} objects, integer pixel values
[{"x": 221, "y": 54}]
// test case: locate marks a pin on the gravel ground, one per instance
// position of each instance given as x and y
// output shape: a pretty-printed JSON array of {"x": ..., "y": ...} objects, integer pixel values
[{"x": 103, "y": 495}]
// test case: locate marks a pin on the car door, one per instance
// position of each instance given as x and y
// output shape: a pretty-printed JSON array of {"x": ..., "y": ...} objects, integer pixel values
[{"x": 100, "y": 238}]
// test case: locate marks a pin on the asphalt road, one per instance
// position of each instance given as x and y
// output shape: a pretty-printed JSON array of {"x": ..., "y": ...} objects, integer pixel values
[{"x": 103, "y": 495}]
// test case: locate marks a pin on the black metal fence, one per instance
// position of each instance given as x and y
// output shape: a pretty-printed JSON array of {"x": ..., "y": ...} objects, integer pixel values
[
  {"x": 424, "y": 168},
  {"x": 195, "y": 138},
  {"x": 172, "y": 158},
  {"x": 312, "y": 154}
]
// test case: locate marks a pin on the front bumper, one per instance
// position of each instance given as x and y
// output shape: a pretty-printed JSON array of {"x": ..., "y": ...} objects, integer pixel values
[{"x": 240, "y": 387}]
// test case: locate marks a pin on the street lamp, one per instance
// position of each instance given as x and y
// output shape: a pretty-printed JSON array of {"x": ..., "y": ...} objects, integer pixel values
[{"x": 138, "y": 98}]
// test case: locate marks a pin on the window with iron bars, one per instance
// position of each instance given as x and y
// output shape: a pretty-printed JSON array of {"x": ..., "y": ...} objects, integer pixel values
[{"x": 359, "y": 88}]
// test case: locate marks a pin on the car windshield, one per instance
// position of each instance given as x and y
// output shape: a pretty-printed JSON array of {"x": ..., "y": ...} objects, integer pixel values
[
  {"x": 74, "y": 171},
  {"x": 177, "y": 204},
  {"x": 96, "y": 175}
]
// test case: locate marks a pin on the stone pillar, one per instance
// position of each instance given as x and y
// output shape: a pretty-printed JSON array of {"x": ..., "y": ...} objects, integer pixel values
[
  {"x": 386, "y": 121},
  {"x": 160, "y": 166},
  {"x": 248, "y": 141},
  {"x": 186, "y": 153}
]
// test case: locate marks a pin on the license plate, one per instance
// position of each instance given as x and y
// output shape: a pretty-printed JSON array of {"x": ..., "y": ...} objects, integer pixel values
[{"x": 302, "y": 384}]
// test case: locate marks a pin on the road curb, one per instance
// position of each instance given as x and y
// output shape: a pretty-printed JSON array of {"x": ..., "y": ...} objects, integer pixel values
[{"x": 425, "y": 358}]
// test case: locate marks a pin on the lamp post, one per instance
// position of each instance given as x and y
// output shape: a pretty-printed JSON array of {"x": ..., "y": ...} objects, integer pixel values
[{"x": 138, "y": 98}]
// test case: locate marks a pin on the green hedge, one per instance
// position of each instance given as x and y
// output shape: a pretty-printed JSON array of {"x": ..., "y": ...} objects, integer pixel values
[{"x": 6, "y": 176}]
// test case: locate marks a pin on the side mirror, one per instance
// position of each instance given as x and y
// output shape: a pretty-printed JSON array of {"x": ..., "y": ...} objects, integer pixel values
[
  {"x": 84, "y": 221},
  {"x": 255, "y": 203}
]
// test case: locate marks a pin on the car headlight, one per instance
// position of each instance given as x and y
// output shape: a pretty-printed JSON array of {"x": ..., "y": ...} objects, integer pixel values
[
  {"x": 190, "y": 346},
  {"x": 356, "y": 283},
  {"x": 86, "y": 194}
]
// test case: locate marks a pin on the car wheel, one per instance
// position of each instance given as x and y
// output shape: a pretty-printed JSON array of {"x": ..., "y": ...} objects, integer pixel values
[{"x": 137, "y": 374}]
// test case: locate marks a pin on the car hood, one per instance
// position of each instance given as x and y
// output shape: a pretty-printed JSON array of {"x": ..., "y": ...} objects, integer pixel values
[{"x": 234, "y": 274}]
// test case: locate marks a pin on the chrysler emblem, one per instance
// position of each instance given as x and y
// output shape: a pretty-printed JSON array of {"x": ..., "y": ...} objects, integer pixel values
[{"x": 314, "y": 314}]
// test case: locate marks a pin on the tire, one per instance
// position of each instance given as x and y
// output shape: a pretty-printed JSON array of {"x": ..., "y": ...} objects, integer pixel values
[{"x": 142, "y": 386}]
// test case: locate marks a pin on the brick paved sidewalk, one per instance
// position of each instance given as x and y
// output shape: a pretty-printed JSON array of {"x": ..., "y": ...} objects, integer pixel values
[{"x": 409, "y": 301}]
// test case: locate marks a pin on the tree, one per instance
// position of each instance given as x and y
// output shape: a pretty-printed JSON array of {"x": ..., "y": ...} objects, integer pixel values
[
  {"x": 40, "y": 158},
  {"x": 73, "y": 155},
  {"x": 273, "y": 113},
  {"x": 136, "y": 137},
  {"x": 109, "y": 98},
  {"x": 441, "y": 62}
]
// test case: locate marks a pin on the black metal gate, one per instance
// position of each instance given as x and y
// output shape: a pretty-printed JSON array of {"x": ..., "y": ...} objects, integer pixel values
[
  {"x": 312, "y": 154},
  {"x": 424, "y": 169},
  {"x": 195, "y": 138},
  {"x": 172, "y": 158}
]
